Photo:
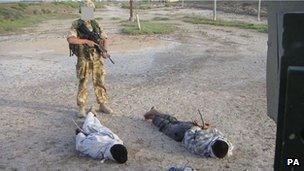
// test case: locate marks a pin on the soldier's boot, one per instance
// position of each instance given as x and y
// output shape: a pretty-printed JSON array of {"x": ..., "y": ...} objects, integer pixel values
[
  {"x": 92, "y": 110},
  {"x": 81, "y": 113},
  {"x": 151, "y": 113},
  {"x": 105, "y": 109}
]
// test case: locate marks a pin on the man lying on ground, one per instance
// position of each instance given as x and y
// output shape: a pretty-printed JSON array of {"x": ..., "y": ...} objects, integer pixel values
[
  {"x": 200, "y": 140},
  {"x": 99, "y": 142}
]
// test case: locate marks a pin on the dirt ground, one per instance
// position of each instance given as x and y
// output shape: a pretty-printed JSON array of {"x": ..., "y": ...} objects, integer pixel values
[{"x": 216, "y": 69}]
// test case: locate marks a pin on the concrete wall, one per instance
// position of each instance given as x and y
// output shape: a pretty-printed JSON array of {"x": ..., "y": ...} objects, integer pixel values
[{"x": 276, "y": 11}]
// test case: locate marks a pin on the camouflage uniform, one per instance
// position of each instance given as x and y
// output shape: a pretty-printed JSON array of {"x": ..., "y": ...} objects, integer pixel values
[{"x": 89, "y": 63}]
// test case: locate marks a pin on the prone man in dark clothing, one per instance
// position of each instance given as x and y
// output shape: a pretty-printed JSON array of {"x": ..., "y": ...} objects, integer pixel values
[
  {"x": 200, "y": 140},
  {"x": 170, "y": 126}
]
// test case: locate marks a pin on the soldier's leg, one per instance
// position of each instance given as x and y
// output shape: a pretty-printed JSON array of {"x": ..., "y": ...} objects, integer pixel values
[
  {"x": 82, "y": 69},
  {"x": 82, "y": 92},
  {"x": 98, "y": 77}
]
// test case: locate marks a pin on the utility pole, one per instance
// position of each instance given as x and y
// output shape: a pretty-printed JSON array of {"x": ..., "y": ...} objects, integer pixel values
[
  {"x": 214, "y": 10},
  {"x": 131, "y": 10},
  {"x": 259, "y": 11}
]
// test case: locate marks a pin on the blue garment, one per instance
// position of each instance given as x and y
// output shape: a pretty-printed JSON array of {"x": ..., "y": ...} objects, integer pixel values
[{"x": 186, "y": 168}]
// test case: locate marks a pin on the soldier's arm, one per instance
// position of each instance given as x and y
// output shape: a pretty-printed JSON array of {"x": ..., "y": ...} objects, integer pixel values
[
  {"x": 78, "y": 41},
  {"x": 105, "y": 42},
  {"x": 73, "y": 39}
]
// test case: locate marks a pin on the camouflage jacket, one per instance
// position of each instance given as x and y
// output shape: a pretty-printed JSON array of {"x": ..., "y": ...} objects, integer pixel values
[{"x": 81, "y": 50}]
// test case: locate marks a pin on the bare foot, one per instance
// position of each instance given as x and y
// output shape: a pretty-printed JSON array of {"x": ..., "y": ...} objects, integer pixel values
[{"x": 150, "y": 114}]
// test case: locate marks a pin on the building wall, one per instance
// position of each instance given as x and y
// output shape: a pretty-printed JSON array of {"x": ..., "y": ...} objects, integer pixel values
[{"x": 276, "y": 11}]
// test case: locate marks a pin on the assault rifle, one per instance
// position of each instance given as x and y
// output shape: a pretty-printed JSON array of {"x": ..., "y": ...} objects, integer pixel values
[{"x": 95, "y": 37}]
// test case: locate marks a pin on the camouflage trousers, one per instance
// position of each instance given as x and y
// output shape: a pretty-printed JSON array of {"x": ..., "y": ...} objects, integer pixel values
[{"x": 86, "y": 68}]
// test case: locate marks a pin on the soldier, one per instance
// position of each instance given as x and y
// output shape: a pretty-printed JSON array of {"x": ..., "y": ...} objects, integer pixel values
[
  {"x": 200, "y": 140},
  {"x": 88, "y": 59}
]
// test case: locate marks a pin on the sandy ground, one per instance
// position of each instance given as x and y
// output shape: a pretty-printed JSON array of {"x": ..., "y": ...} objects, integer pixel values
[{"x": 219, "y": 70}]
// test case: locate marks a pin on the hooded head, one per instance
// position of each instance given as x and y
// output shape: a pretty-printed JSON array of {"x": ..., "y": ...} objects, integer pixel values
[
  {"x": 86, "y": 10},
  {"x": 220, "y": 148},
  {"x": 119, "y": 153}
]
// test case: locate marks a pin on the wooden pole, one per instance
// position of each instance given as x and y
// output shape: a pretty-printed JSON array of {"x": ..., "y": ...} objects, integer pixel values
[
  {"x": 182, "y": 3},
  {"x": 131, "y": 10},
  {"x": 259, "y": 11},
  {"x": 138, "y": 23},
  {"x": 214, "y": 10}
]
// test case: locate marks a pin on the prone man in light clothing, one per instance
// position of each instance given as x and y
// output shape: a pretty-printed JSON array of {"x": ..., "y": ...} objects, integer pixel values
[{"x": 99, "y": 142}]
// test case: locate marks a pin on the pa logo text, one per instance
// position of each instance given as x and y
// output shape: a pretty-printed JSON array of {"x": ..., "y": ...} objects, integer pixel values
[{"x": 293, "y": 162}]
